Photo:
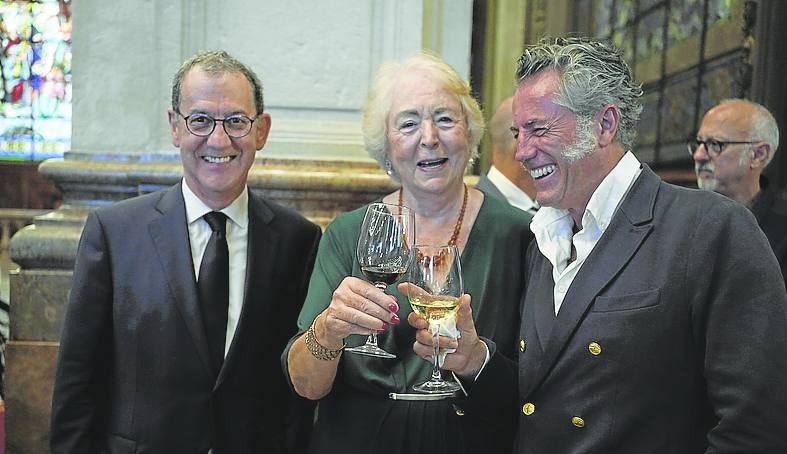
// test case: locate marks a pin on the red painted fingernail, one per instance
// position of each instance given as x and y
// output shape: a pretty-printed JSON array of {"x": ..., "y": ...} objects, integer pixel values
[
  {"x": 395, "y": 319},
  {"x": 385, "y": 326},
  {"x": 393, "y": 307}
]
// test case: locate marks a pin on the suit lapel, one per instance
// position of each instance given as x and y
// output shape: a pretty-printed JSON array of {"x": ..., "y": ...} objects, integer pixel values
[
  {"x": 538, "y": 318},
  {"x": 543, "y": 304},
  {"x": 485, "y": 184},
  {"x": 262, "y": 248},
  {"x": 171, "y": 237},
  {"x": 625, "y": 234}
]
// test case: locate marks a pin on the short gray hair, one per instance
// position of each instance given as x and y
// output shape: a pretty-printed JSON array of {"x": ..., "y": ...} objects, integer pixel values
[
  {"x": 763, "y": 125},
  {"x": 593, "y": 74},
  {"x": 379, "y": 98},
  {"x": 216, "y": 63}
]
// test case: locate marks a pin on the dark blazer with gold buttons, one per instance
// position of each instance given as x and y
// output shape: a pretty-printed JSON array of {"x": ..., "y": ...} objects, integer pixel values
[
  {"x": 671, "y": 338},
  {"x": 134, "y": 374}
]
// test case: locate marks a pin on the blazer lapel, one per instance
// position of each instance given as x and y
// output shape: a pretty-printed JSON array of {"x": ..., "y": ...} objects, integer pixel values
[
  {"x": 263, "y": 245},
  {"x": 171, "y": 237},
  {"x": 543, "y": 304},
  {"x": 538, "y": 318},
  {"x": 485, "y": 184},
  {"x": 628, "y": 229}
]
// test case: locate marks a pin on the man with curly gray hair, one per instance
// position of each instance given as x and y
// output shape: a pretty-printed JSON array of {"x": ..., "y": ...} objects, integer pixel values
[{"x": 641, "y": 327}]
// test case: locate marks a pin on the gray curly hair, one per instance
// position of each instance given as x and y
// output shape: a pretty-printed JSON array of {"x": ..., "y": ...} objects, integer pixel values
[
  {"x": 378, "y": 102},
  {"x": 593, "y": 74},
  {"x": 216, "y": 63}
]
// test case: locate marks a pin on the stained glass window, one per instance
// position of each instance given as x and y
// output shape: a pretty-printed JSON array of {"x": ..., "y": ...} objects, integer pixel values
[
  {"x": 688, "y": 54},
  {"x": 35, "y": 111}
]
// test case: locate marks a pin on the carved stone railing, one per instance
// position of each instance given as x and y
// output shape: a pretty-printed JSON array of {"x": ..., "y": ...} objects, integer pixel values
[{"x": 13, "y": 219}]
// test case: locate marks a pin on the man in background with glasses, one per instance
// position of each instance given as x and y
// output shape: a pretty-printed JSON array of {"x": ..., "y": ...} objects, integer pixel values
[
  {"x": 183, "y": 299},
  {"x": 736, "y": 141}
]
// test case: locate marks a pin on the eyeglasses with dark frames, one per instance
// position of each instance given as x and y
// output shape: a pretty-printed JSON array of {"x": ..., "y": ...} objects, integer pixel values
[
  {"x": 714, "y": 147},
  {"x": 203, "y": 125}
]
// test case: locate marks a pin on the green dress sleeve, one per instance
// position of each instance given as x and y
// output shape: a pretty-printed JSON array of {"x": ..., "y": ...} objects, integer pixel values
[{"x": 334, "y": 262}]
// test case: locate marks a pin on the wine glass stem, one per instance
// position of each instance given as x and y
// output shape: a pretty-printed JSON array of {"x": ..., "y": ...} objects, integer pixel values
[
  {"x": 372, "y": 339},
  {"x": 436, "y": 376}
]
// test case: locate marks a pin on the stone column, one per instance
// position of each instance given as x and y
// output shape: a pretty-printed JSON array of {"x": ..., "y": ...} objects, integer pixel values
[
  {"x": 504, "y": 37},
  {"x": 315, "y": 59}
]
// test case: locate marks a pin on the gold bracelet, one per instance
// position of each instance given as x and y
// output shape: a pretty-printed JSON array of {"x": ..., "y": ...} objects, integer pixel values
[{"x": 318, "y": 350}]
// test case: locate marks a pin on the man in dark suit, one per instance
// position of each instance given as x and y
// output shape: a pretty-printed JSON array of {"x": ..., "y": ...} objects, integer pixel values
[
  {"x": 655, "y": 316},
  {"x": 506, "y": 178},
  {"x": 736, "y": 141},
  {"x": 176, "y": 321}
]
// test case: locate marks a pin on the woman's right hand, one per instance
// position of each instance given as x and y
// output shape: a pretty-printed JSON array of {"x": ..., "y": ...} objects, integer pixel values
[{"x": 357, "y": 307}]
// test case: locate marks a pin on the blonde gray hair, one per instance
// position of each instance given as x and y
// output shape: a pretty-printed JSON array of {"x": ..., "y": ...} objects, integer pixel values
[{"x": 378, "y": 102}]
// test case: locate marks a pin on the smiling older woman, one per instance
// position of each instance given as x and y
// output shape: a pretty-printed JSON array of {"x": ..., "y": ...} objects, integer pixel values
[{"x": 421, "y": 123}]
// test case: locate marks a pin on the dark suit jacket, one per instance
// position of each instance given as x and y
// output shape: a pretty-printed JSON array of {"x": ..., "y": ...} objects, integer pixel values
[
  {"x": 671, "y": 338},
  {"x": 133, "y": 375},
  {"x": 486, "y": 186},
  {"x": 770, "y": 209}
]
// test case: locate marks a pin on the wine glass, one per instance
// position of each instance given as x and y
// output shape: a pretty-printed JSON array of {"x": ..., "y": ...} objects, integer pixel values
[
  {"x": 384, "y": 255},
  {"x": 433, "y": 289}
]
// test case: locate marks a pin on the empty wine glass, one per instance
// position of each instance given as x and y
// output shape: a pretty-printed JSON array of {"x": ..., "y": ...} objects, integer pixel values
[
  {"x": 383, "y": 255},
  {"x": 433, "y": 289}
]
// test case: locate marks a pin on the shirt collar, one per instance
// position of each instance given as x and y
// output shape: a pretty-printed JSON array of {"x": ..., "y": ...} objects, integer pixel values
[
  {"x": 549, "y": 222},
  {"x": 610, "y": 192},
  {"x": 237, "y": 211},
  {"x": 510, "y": 191}
]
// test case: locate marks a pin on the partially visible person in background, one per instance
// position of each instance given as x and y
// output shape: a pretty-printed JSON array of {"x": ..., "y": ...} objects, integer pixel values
[
  {"x": 506, "y": 178},
  {"x": 736, "y": 141},
  {"x": 422, "y": 125}
]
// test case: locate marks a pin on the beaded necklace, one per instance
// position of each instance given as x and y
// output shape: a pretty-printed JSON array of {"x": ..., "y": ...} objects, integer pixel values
[{"x": 458, "y": 225}]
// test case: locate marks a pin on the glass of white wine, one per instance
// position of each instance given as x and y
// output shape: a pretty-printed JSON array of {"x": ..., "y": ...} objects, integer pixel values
[
  {"x": 383, "y": 255},
  {"x": 433, "y": 289}
]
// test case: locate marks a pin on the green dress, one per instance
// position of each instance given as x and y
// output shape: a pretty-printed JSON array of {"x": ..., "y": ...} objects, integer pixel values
[{"x": 357, "y": 416}]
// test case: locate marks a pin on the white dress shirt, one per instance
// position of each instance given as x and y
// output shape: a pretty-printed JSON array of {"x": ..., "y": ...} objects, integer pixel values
[
  {"x": 511, "y": 192},
  {"x": 237, "y": 238},
  {"x": 553, "y": 232}
]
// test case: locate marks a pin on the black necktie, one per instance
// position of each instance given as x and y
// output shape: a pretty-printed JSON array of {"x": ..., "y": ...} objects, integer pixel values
[{"x": 214, "y": 287}]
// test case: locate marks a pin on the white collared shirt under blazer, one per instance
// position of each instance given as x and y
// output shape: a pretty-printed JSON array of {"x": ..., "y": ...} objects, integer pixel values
[
  {"x": 237, "y": 240},
  {"x": 553, "y": 227}
]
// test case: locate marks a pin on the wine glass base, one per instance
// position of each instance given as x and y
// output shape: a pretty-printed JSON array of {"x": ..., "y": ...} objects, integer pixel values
[
  {"x": 437, "y": 387},
  {"x": 421, "y": 396},
  {"x": 370, "y": 350}
]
